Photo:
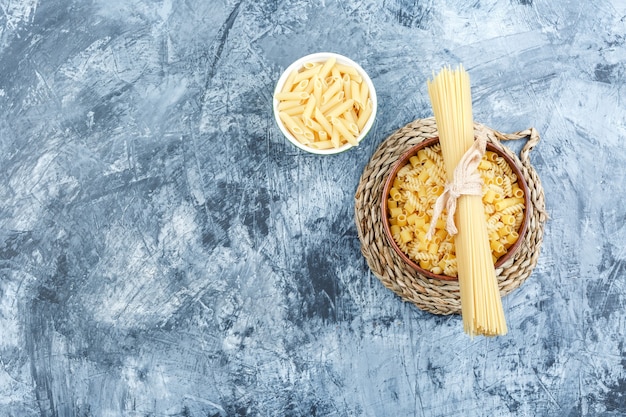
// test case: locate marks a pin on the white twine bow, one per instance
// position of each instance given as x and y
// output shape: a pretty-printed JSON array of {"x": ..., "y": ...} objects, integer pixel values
[{"x": 465, "y": 181}]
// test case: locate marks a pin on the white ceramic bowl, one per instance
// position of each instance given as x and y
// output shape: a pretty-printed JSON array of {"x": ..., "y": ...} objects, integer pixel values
[{"x": 319, "y": 57}]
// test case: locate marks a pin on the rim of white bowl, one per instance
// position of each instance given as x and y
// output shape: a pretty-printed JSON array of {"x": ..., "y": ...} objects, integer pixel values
[{"x": 321, "y": 56}]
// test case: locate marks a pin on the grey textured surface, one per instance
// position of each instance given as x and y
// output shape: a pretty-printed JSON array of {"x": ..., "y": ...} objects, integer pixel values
[{"x": 165, "y": 252}]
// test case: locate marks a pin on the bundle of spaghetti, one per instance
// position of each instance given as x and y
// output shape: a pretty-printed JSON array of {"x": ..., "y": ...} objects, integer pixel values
[{"x": 481, "y": 305}]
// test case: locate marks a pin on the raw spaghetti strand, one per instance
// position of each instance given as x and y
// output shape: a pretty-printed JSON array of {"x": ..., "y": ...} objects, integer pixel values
[{"x": 481, "y": 305}]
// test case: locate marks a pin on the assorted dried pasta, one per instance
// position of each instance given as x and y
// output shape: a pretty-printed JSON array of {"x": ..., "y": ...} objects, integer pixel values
[
  {"x": 417, "y": 186},
  {"x": 325, "y": 105}
]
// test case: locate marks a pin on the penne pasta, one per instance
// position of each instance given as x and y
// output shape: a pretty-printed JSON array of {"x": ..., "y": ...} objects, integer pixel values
[
  {"x": 289, "y": 82},
  {"x": 301, "y": 86},
  {"x": 340, "y": 108},
  {"x": 323, "y": 144},
  {"x": 347, "y": 87},
  {"x": 332, "y": 102},
  {"x": 308, "y": 108},
  {"x": 333, "y": 89},
  {"x": 325, "y": 102},
  {"x": 306, "y": 132},
  {"x": 352, "y": 127},
  {"x": 364, "y": 93},
  {"x": 335, "y": 137},
  {"x": 343, "y": 130},
  {"x": 307, "y": 74},
  {"x": 321, "y": 119},
  {"x": 356, "y": 93},
  {"x": 293, "y": 127},
  {"x": 284, "y": 105},
  {"x": 365, "y": 114},
  {"x": 348, "y": 70},
  {"x": 292, "y": 95},
  {"x": 349, "y": 116},
  {"x": 290, "y": 123},
  {"x": 327, "y": 67},
  {"x": 296, "y": 110},
  {"x": 317, "y": 89}
]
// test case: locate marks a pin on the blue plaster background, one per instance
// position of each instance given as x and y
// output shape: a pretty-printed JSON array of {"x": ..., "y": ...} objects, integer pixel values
[{"x": 164, "y": 251}]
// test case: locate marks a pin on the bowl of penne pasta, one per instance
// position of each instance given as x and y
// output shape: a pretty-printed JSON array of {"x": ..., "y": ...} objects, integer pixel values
[
  {"x": 415, "y": 182},
  {"x": 324, "y": 103}
]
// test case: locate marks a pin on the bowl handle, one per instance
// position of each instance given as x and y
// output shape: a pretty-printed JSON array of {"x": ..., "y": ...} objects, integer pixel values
[{"x": 533, "y": 138}]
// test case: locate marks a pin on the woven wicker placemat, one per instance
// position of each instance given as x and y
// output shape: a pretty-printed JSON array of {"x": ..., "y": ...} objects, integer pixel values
[{"x": 437, "y": 296}]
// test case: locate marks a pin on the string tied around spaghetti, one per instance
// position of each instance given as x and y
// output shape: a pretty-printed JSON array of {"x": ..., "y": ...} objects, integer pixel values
[{"x": 466, "y": 180}]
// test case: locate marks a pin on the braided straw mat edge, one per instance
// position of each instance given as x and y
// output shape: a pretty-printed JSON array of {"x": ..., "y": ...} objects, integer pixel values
[{"x": 432, "y": 295}]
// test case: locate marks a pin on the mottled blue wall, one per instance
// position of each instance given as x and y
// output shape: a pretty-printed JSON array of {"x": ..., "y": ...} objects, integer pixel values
[{"x": 164, "y": 251}]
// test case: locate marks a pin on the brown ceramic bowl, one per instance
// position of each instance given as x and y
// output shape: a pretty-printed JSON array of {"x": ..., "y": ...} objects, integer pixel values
[{"x": 385, "y": 214}]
